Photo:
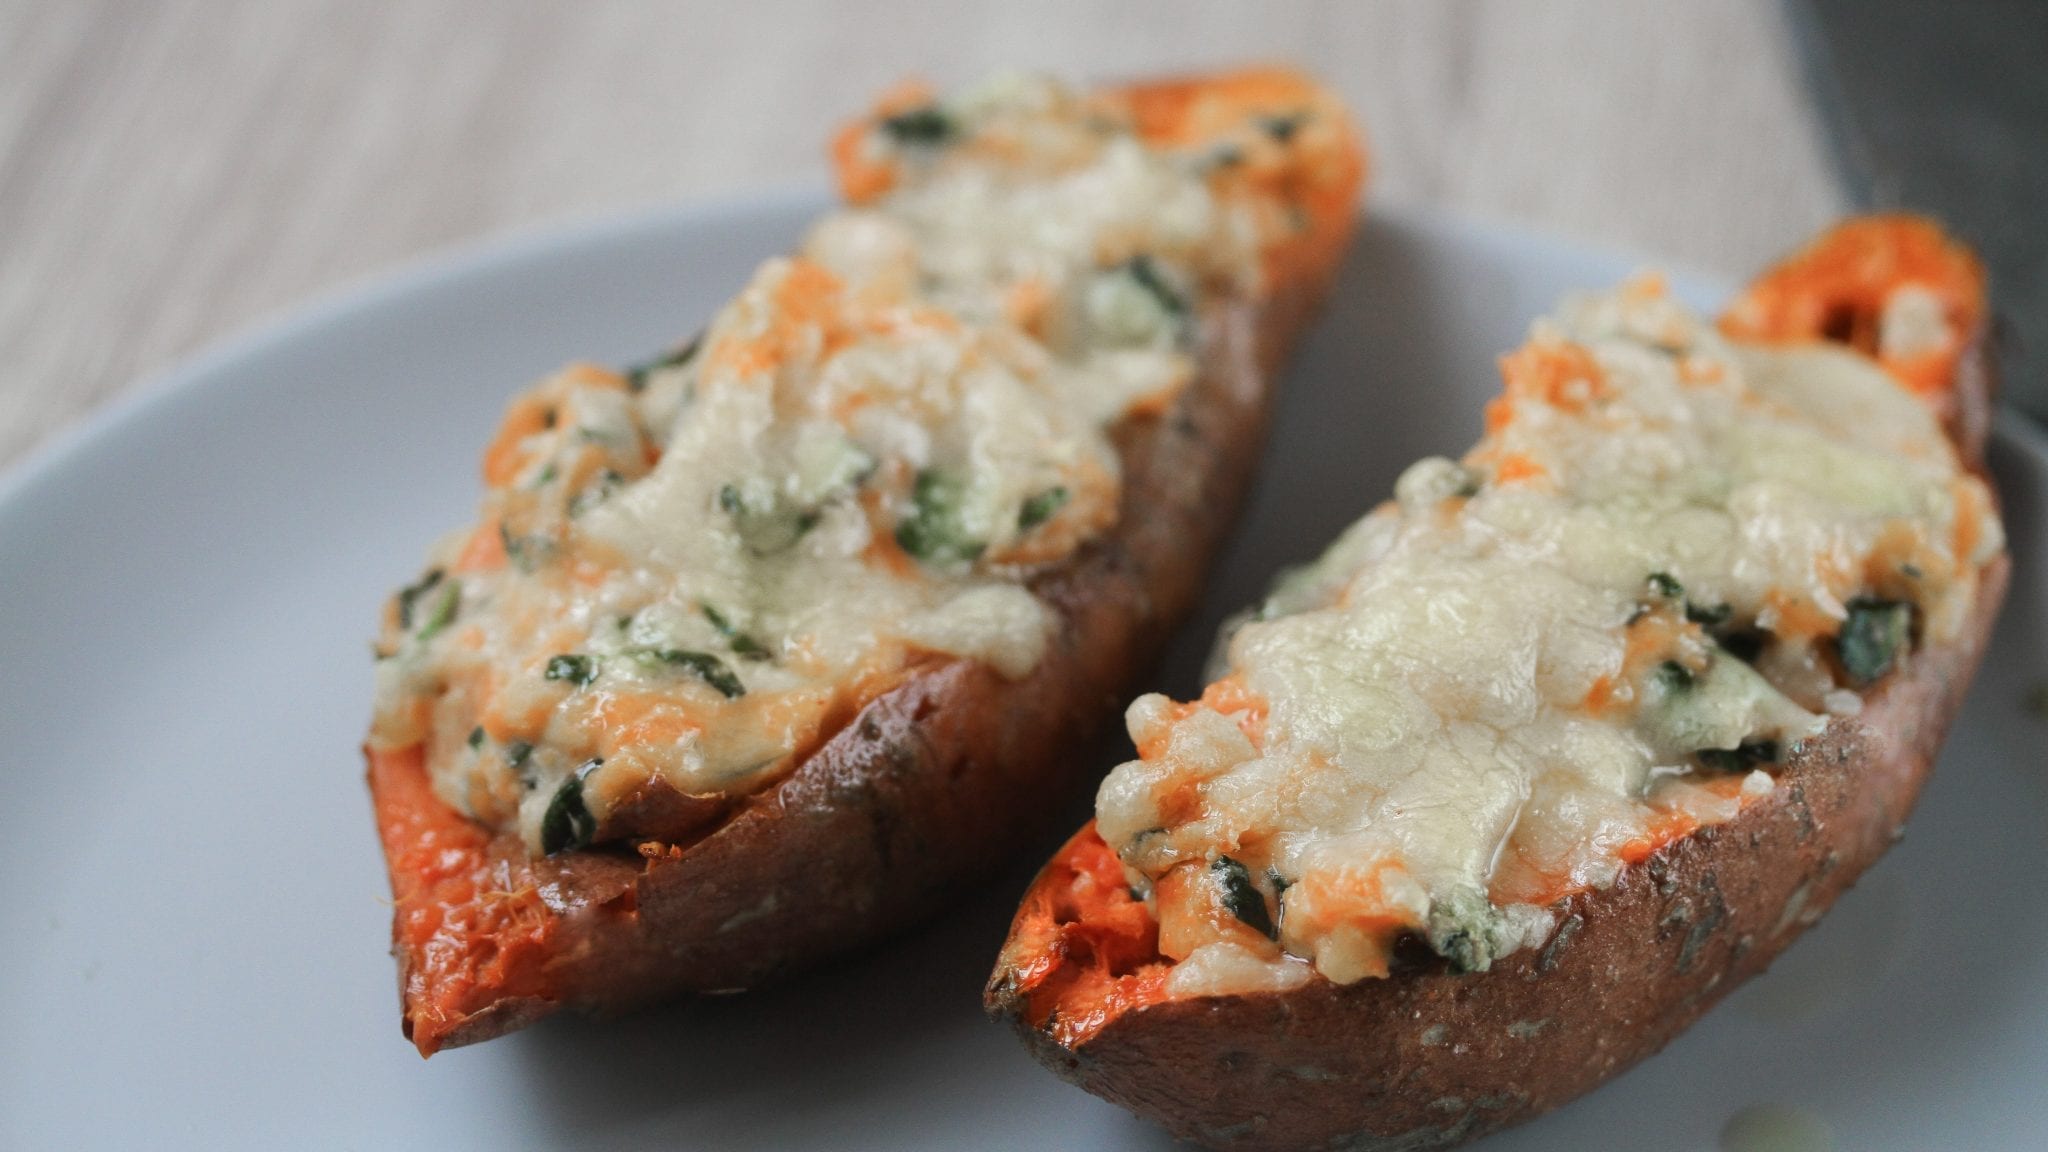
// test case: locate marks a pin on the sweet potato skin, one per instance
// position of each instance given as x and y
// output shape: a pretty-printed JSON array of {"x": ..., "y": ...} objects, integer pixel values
[
  {"x": 933, "y": 782},
  {"x": 1429, "y": 1058}
]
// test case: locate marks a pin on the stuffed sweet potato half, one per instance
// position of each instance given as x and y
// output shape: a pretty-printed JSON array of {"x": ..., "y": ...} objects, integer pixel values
[
  {"x": 1563, "y": 743},
  {"x": 759, "y": 649}
]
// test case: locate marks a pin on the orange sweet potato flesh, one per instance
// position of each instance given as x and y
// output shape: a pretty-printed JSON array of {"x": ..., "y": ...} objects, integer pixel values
[
  {"x": 934, "y": 782},
  {"x": 1429, "y": 1058}
]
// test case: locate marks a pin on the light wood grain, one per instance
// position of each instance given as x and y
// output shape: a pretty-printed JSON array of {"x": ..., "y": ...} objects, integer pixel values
[{"x": 172, "y": 172}]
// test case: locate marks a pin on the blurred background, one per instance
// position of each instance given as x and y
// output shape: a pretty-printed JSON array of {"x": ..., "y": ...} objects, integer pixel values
[{"x": 171, "y": 172}]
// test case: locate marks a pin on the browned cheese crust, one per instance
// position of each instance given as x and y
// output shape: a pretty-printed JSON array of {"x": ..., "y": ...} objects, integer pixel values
[
  {"x": 1429, "y": 1058},
  {"x": 945, "y": 775}
]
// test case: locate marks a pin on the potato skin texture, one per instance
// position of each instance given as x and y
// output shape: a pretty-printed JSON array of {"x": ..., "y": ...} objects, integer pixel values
[
  {"x": 1428, "y": 1058},
  {"x": 937, "y": 780}
]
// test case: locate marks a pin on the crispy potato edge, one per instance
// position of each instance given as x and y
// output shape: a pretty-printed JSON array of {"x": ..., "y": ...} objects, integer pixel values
[
  {"x": 1431, "y": 1059},
  {"x": 941, "y": 778}
]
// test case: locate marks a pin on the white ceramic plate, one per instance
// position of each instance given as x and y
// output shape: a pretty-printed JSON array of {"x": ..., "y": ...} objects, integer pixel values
[{"x": 194, "y": 922}]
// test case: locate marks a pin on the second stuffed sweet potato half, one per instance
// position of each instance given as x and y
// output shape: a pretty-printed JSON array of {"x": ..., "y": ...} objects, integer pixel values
[
  {"x": 1558, "y": 746},
  {"x": 758, "y": 650}
]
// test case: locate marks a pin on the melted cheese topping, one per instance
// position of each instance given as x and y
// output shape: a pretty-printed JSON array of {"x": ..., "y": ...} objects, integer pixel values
[
  {"x": 688, "y": 576},
  {"x": 1671, "y": 557}
]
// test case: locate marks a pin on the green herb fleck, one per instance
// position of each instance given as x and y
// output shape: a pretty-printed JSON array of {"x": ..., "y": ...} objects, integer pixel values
[
  {"x": 608, "y": 482},
  {"x": 443, "y": 613},
  {"x": 928, "y": 125},
  {"x": 1665, "y": 586},
  {"x": 740, "y": 643},
  {"x": 568, "y": 824},
  {"x": 1466, "y": 930},
  {"x": 516, "y": 754},
  {"x": 765, "y": 530},
  {"x": 707, "y": 667},
  {"x": 933, "y": 530},
  {"x": 476, "y": 737},
  {"x": 525, "y": 552},
  {"x": 636, "y": 376},
  {"x": 1141, "y": 269},
  {"x": 1873, "y": 637},
  {"x": 1038, "y": 509},
  {"x": 1673, "y": 677},
  {"x": 547, "y": 476},
  {"x": 1241, "y": 896},
  {"x": 409, "y": 596},
  {"x": 1283, "y": 128},
  {"x": 574, "y": 667}
]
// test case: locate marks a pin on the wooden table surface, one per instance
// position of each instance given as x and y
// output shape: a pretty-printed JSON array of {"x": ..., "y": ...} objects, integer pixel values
[{"x": 171, "y": 172}]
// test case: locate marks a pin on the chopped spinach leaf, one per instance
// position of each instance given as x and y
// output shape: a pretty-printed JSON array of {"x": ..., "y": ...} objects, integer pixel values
[
  {"x": 927, "y": 125},
  {"x": 526, "y": 552},
  {"x": 443, "y": 613},
  {"x": 741, "y": 643},
  {"x": 707, "y": 668},
  {"x": 1673, "y": 677},
  {"x": 1141, "y": 269},
  {"x": 1873, "y": 637},
  {"x": 409, "y": 596},
  {"x": 636, "y": 376},
  {"x": 568, "y": 824},
  {"x": 574, "y": 667},
  {"x": 1241, "y": 896},
  {"x": 766, "y": 530},
  {"x": 1038, "y": 509},
  {"x": 1283, "y": 128},
  {"x": 608, "y": 482},
  {"x": 1466, "y": 930},
  {"x": 933, "y": 530},
  {"x": 1665, "y": 586}
]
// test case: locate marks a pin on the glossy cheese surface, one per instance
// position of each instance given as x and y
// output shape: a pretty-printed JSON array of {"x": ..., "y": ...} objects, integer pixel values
[
  {"x": 1672, "y": 557},
  {"x": 689, "y": 574}
]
